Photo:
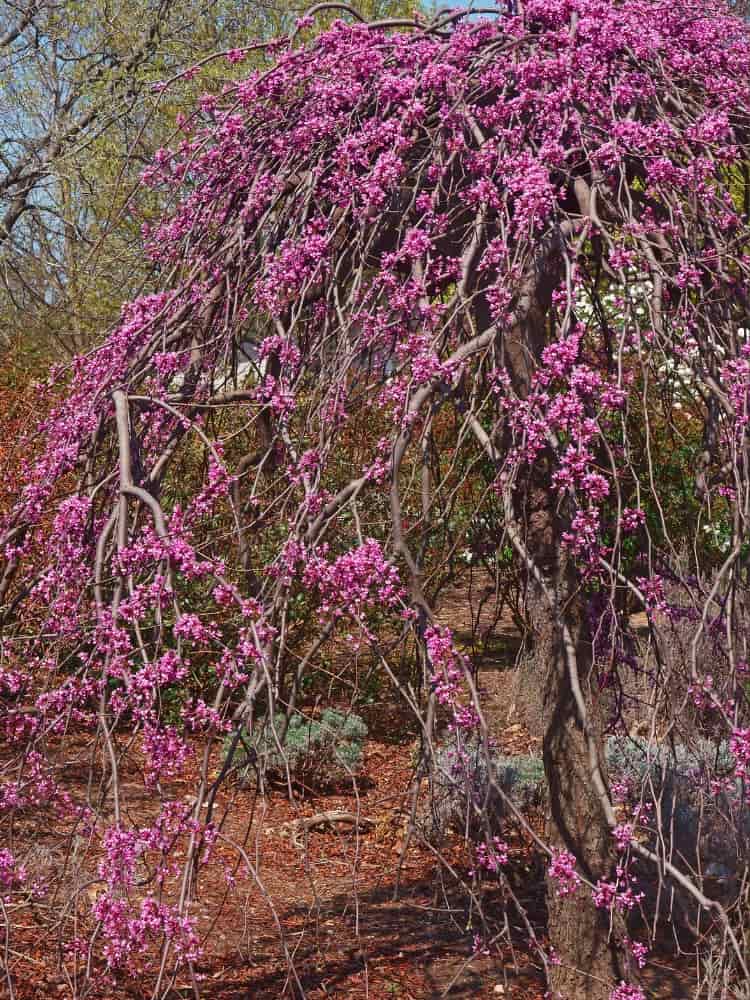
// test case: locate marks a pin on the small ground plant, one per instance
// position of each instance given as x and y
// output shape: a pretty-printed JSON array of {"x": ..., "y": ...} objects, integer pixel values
[
  {"x": 319, "y": 751},
  {"x": 685, "y": 795}
]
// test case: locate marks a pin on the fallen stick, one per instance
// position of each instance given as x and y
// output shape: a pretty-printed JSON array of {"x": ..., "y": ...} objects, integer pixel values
[{"x": 324, "y": 819}]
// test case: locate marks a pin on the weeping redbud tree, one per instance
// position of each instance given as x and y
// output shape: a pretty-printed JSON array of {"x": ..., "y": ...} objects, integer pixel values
[{"x": 432, "y": 295}]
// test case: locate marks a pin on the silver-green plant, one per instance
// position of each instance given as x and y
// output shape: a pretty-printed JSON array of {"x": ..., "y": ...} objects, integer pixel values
[
  {"x": 324, "y": 750},
  {"x": 471, "y": 790}
]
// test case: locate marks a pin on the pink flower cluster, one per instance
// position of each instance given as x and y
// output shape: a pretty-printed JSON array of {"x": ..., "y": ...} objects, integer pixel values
[
  {"x": 354, "y": 582},
  {"x": 562, "y": 870},
  {"x": 490, "y": 855},
  {"x": 739, "y": 744},
  {"x": 11, "y": 873},
  {"x": 127, "y": 934},
  {"x": 627, "y": 992},
  {"x": 618, "y": 894},
  {"x": 129, "y": 923}
]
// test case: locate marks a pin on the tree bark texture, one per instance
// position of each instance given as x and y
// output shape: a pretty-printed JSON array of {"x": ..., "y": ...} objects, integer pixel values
[{"x": 584, "y": 940}]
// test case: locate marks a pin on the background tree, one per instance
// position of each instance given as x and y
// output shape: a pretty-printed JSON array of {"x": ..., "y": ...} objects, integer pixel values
[
  {"x": 513, "y": 250},
  {"x": 82, "y": 113}
]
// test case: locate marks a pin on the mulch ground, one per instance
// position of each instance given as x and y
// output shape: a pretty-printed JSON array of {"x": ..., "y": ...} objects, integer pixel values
[
  {"x": 341, "y": 912},
  {"x": 359, "y": 914},
  {"x": 338, "y": 912}
]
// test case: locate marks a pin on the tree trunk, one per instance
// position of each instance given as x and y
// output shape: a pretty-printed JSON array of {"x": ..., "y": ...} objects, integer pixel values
[{"x": 583, "y": 938}]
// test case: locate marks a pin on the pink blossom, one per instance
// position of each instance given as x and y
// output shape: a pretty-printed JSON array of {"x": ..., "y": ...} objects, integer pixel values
[
  {"x": 562, "y": 870},
  {"x": 626, "y": 992}
]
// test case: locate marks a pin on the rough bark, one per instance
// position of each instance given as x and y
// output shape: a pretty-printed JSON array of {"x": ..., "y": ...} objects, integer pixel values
[{"x": 583, "y": 937}]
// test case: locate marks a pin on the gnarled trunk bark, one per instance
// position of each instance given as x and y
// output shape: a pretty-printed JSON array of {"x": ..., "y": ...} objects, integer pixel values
[
  {"x": 557, "y": 683},
  {"x": 584, "y": 939}
]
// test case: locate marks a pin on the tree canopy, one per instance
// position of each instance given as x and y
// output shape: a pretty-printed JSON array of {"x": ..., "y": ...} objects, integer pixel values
[{"x": 434, "y": 293}]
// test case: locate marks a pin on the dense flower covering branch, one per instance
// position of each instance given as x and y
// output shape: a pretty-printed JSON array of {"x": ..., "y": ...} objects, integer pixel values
[{"x": 472, "y": 244}]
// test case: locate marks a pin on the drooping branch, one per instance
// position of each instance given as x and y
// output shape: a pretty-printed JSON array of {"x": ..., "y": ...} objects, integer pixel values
[{"x": 482, "y": 327}]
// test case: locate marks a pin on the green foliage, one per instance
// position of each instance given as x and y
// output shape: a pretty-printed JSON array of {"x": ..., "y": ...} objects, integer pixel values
[
  {"x": 677, "y": 775},
  {"x": 319, "y": 751},
  {"x": 463, "y": 782}
]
